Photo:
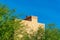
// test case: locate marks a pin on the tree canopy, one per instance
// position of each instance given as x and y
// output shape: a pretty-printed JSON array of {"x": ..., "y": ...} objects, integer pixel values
[{"x": 7, "y": 23}]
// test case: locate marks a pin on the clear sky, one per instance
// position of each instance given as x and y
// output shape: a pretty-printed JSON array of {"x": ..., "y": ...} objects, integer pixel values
[{"x": 47, "y": 11}]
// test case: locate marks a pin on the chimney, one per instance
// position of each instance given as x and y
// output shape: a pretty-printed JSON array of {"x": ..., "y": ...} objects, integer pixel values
[{"x": 31, "y": 18}]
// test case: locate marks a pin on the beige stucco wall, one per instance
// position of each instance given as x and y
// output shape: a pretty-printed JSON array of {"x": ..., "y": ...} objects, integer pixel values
[{"x": 32, "y": 25}]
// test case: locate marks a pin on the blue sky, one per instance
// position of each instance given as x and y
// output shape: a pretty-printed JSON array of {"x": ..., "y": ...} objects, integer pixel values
[{"x": 48, "y": 11}]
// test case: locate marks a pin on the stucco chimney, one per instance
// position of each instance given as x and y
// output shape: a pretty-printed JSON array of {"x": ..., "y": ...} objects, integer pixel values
[{"x": 31, "y": 18}]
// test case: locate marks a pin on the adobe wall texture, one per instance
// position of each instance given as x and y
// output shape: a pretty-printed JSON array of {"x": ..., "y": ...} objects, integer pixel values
[{"x": 31, "y": 23}]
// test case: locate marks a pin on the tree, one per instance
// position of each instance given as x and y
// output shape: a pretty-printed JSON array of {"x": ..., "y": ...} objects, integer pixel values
[
  {"x": 52, "y": 33},
  {"x": 7, "y": 23}
]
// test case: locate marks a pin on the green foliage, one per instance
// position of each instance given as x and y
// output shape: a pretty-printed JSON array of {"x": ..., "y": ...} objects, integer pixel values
[
  {"x": 7, "y": 23},
  {"x": 52, "y": 33}
]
